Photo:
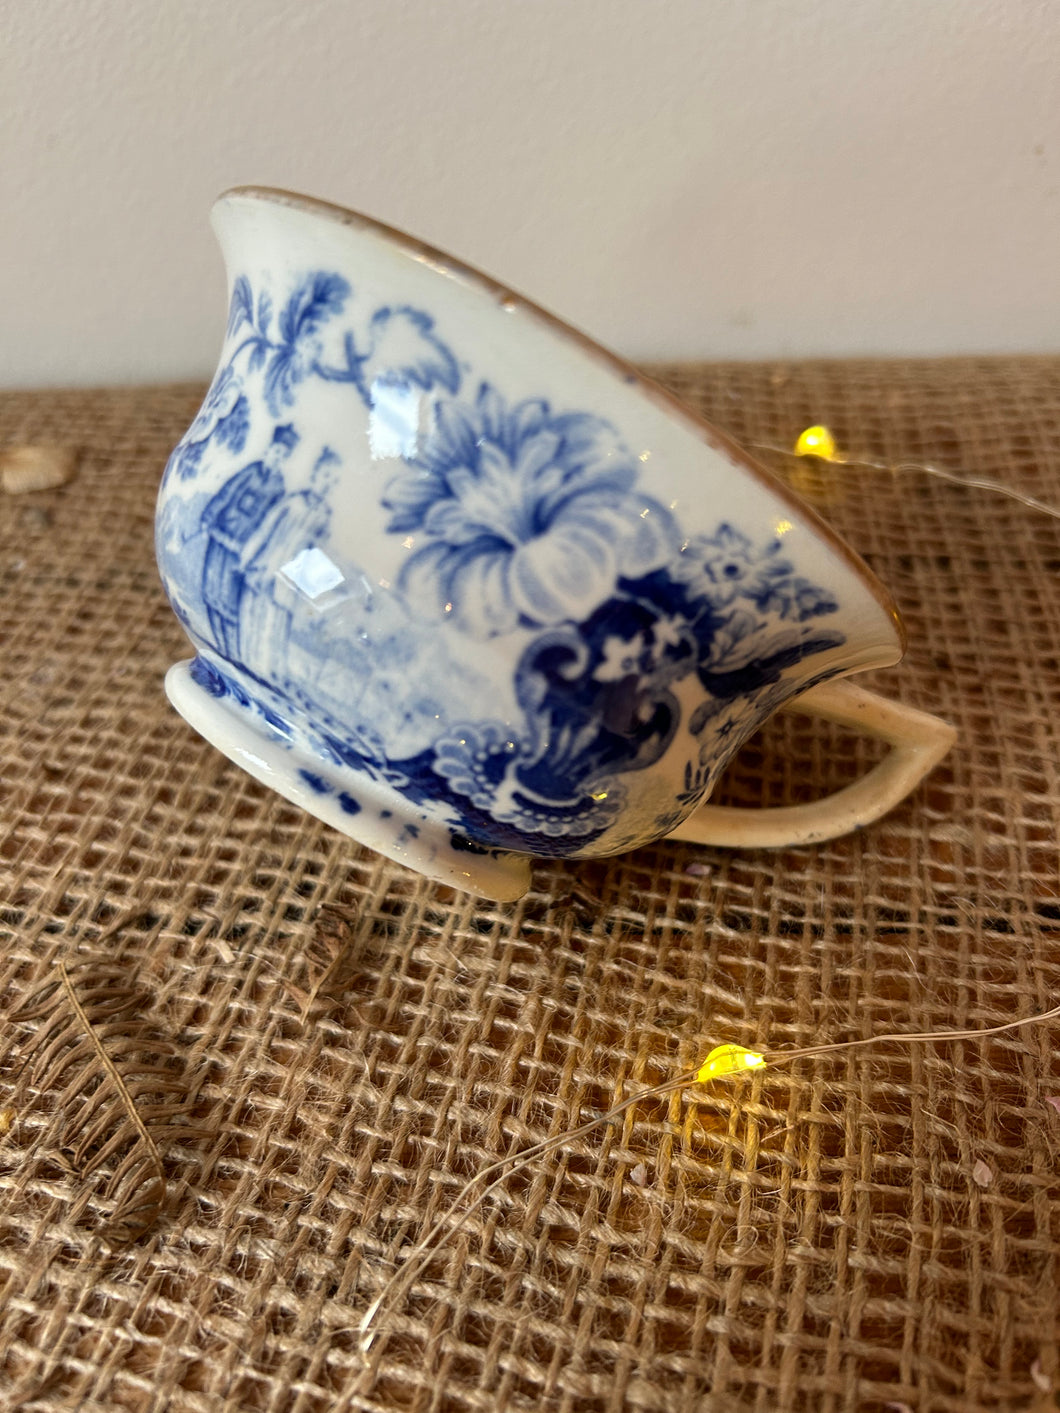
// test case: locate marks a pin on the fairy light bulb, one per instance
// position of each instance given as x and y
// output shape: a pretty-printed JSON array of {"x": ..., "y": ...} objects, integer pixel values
[
  {"x": 817, "y": 441},
  {"x": 724, "y": 1060}
]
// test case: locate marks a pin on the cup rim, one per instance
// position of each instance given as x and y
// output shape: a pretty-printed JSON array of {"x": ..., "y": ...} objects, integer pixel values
[{"x": 636, "y": 381}]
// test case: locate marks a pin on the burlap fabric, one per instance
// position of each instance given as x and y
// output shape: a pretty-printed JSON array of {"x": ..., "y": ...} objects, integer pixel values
[{"x": 857, "y": 1231}]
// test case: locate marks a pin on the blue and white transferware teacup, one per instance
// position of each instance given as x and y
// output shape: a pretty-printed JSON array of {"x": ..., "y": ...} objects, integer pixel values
[{"x": 472, "y": 590}]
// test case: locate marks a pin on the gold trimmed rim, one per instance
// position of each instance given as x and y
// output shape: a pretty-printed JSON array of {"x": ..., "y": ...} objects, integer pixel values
[{"x": 631, "y": 376}]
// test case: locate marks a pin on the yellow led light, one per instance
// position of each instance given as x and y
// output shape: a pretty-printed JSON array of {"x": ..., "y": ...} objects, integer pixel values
[
  {"x": 817, "y": 441},
  {"x": 724, "y": 1060}
]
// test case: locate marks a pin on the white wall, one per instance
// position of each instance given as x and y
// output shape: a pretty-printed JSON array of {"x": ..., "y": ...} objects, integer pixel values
[{"x": 679, "y": 177}]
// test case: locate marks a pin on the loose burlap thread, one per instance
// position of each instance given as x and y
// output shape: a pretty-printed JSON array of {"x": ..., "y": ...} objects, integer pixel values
[{"x": 852, "y": 1231}]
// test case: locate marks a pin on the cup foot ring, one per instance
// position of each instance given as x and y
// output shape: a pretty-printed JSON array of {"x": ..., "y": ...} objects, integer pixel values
[{"x": 351, "y": 801}]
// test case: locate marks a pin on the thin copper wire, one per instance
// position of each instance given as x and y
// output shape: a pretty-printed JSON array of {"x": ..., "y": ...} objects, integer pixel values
[
  {"x": 513, "y": 1163},
  {"x": 977, "y": 483}
]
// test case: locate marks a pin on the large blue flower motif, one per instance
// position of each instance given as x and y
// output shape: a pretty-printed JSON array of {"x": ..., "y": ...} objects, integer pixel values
[{"x": 530, "y": 517}]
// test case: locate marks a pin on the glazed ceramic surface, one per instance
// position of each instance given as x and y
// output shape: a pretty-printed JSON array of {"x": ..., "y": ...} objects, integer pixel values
[{"x": 461, "y": 584}]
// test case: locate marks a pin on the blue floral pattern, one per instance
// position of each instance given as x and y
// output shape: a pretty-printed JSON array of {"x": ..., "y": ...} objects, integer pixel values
[
  {"x": 223, "y": 418},
  {"x": 529, "y": 516},
  {"x": 399, "y": 347},
  {"x": 518, "y": 517},
  {"x": 295, "y": 354}
]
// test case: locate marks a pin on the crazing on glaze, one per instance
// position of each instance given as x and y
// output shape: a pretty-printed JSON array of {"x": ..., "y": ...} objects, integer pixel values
[{"x": 516, "y": 518}]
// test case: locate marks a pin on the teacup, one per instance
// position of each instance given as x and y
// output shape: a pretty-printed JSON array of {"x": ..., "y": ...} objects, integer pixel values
[{"x": 474, "y": 591}]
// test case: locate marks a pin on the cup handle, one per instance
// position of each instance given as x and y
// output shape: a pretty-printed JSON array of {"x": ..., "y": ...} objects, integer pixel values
[{"x": 918, "y": 743}]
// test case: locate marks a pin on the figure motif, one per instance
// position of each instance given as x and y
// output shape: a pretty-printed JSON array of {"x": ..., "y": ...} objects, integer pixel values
[
  {"x": 294, "y": 523},
  {"x": 230, "y": 520}
]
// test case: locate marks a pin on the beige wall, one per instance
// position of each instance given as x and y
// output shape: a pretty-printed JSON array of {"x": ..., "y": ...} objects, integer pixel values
[{"x": 680, "y": 177}]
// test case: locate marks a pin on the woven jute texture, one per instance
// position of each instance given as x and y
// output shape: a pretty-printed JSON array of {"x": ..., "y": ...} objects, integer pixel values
[{"x": 869, "y": 1229}]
